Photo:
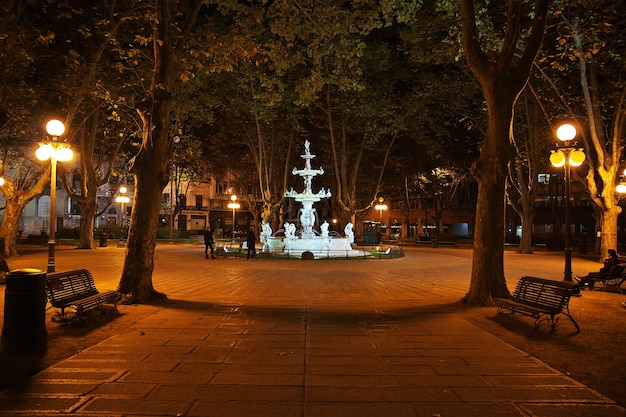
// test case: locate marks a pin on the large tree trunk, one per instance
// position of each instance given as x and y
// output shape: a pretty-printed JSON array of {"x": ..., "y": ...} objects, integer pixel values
[
  {"x": 490, "y": 170},
  {"x": 150, "y": 177},
  {"x": 151, "y": 165},
  {"x": 502, "y": 76}
]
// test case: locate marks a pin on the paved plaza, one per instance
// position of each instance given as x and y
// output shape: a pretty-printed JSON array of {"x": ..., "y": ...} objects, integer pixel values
[{"x": 294, "y": 338}]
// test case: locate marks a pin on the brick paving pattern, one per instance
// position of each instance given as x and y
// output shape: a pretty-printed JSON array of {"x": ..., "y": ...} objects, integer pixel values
[{"x": 303, "y": 338}]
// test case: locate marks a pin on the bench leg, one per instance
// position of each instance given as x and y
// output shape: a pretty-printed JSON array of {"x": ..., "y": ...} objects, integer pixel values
[{"x": 554, "y": 320}]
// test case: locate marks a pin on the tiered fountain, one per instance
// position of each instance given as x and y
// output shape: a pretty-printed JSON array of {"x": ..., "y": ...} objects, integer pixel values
[{"x": 305, "y": 239}]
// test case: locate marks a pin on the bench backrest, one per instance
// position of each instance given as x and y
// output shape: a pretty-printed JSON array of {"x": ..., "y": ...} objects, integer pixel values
[
  {"x": 543, "y": 292},
  {"x": 65, "y": 287},
  {"x": 616, "y": 271}
]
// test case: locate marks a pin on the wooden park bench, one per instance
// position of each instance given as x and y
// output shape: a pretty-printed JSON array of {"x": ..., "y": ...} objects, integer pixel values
[
  {"x": 543, "y": 299},
  {"x": 37, "y": 240},
  {"x": 74, "y": 293}
]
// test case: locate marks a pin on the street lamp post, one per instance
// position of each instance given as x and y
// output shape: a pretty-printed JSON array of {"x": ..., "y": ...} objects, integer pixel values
[
  {"x": 567, "y": 156},
  {"x": 175, "y": 140},
  {"x": 123, "y": 199},
  {"x": 381, "y": 206},
  {"x": 56, "y": 152},
  {"x": 171, "y": 204},
  {"x": 233, "y": 205}
]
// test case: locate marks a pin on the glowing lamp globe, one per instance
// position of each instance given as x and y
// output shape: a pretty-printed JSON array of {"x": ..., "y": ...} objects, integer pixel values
[
  {"x": 44, "y": 152},
  {"x": 557, "y": 159},
  {"x": 64, "y": 154},
  {"x": 566, "y": 132},
  {"x": 55, "y": 127},
  {"x": 576, "y": 158}
]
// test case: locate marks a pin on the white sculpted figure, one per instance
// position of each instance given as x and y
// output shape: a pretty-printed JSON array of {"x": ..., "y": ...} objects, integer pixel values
[
  {"x": 290, "y": 230},
  {"x": 266, "y": 233},
  {"x": 349, "y": 233},
  {"x": 324, "y": 229}
]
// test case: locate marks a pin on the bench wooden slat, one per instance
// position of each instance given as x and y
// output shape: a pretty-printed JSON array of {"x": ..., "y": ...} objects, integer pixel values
[
  {"x": 545, "y": 300},
  {"x": 76, "y": 289}
]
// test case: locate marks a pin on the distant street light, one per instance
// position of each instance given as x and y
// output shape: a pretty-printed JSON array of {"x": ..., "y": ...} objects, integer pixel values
[
  {"x": 233, "y": 205},
  {"x": 123, "y": 199},
  {"x": 567, "y": 155},
  {"x": 54, "y": 151},
  {"x": 381, "y": 206}
]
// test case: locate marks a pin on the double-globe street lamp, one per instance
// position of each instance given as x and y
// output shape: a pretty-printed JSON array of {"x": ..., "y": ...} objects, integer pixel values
[
  {"x": 567, "y": 156},
  {"x": 55, "y": 151}
]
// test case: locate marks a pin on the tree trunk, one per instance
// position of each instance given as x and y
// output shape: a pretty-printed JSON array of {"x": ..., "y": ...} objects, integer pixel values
[
  {"x": 609, "y": 229},
  {"x": 502, "y": 76},
  {"x": 87, "y": 221},
  {"x": 487, "y": 281},
  {"x": 151, "y": 165},
  {"x": 139, "y": 262},
  {"x": 16, "y": 200},
  {"x": 10, "y": 224},
  {"x": 526, "y": 241}
]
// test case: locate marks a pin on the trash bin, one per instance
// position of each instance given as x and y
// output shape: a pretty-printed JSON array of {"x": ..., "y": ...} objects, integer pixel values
[
  {"x": 103, "y": 240},
  {"x": 25, "y": 310}
]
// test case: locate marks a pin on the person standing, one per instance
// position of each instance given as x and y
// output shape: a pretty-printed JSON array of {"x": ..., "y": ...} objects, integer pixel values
[
  {"x": 208, "y": 243},
  {"x": 250, "y": 242}
]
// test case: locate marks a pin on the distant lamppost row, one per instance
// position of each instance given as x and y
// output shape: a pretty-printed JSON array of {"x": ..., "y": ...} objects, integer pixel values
[
  {"x": 55, "y": 151},
  {"x": 567, "y": 156},
  {"x": 123, "y": 199},
  {"x": 233, "y": 205}
]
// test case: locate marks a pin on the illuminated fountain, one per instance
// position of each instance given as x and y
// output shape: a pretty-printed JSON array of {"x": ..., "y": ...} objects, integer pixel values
[{"x": 305, "y": 238}]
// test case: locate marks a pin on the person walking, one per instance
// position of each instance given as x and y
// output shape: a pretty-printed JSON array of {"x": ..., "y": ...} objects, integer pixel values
[
  {"x": 208, "y": 243},
  {"x": 250, "y": 242}
]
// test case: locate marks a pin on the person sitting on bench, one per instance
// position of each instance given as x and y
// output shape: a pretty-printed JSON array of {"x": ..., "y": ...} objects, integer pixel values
[{"x": 587, "y": 281}]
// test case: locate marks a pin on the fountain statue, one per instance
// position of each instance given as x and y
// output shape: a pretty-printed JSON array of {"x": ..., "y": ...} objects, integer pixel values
[{"x": 295, "y": 242}]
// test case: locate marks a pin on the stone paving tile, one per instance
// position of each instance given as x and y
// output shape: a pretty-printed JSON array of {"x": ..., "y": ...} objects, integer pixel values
[
  {"x": 573, "y": 410},
  {"x": 121, "y": 389},
  {"x": 167, "y": 377},
  {"x": 147, "y": 406},
  {"x": 528, "y": 393},
  {"x": 471, "y": 410},
  {"x": 531, "y": 380},
  {"x": 257, "y": 393},
  {"x": 337, "y": 380},
  {"x": 359, "y": 410},
  {"x": 379, "y": 394},
  {"x": 52, "y": 374},
  {"x": 246, "y": 409},
  {"x": 418, "y": 371},
  {"x": 39, "y": 404},
  {"x": 228, "y": 378}
]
